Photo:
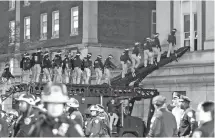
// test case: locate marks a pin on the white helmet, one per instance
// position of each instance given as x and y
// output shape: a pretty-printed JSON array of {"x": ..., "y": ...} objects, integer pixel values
[
  {"x": 28, "y": 98},
  {"x": 55, "y": 93},
  {"x": 13, "y": 112},
  {"x": 94, "y": 108},
  {"x": 101, "y": 108},
  {"x": 73, "y": 103}
]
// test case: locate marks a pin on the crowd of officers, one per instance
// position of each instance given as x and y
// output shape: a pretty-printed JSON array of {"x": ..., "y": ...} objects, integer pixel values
[
  {"x": 54, "y": 115},
  {"x": 181, "y": 120},
  {"x": 73, "y": 69},
  {"x": 60, "y": 70}
]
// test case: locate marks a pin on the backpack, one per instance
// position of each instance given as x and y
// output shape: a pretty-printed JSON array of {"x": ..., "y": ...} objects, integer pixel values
[{"x": 26, "y": 64}]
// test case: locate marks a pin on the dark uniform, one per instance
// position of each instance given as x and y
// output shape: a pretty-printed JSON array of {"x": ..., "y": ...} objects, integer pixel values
[
  {"x": 77, "y": 116},
  {"x": 4, "y": 132},
  {"x": 188, "y": 123},
  {"x": 156, "y": 48},
  {"x": 46, "y": 65},
  {"x": 66, "y": 69},
  {"x": 22, "y": 125},
  {"x": 87, "y": 64},
  {"x": 95, "y": 128},
  {"x": 77, "y": 63},
  {"x": 55, "y": 127},
  {"x": 57, "y": 64},
  {"x": 172, "y": 42},
  {"x": 36, "y": 65},
  {"x": 99, "y": 68},
  {"x": 6, "y": 75},
  {"x": 125, "y": 59},
  {"x": 25, "y": 65},
  {"x": 108, "y": 65},
  {"x": 205, "y": 130},
  {"x": 163, "y": 123}
]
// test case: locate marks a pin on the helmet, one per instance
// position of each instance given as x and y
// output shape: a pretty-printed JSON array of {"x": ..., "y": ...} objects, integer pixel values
[
  {"x": 28, "y": 98},
  {"x": 46, "y": 53},
  {"x": 99, "y": 56},
  {"x": 55, "y": 93},
  {"x": 101, "y": 108},
  {"x": 73, "y": 103},
  {"x": 78, "y": 53},
  {"x": 110, "y": 56},
  {"x": 126, "y": 49},
  {"x": 137, "y": 43},
  {"x": 13, "y": 112},
  {"x": 94, "y": 108},
  {"x": 89, "y": 54}
]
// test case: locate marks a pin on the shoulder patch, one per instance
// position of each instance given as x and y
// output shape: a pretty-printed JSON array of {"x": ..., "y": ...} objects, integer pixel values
[
  {"x": 96, "y": 121},
  {"x": 197, "y": 134},
  {"x": 27, "y": 121},
  {"x": 190, "y": 114},
  {"x": 73, "y": 116}
]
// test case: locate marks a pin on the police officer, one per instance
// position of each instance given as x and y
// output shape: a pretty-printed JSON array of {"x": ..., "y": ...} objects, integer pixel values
[
  {"x": 74, "y": 113},
  {"x": 87, "y": 64},
  {"x": 135, "y": 57},
  {"x": 87, "y": 119},
  {"x": 107, "y": 66},
  {"x": 125, "y": 60},
  {"x": 77, "y": 63},
  {"x": 27, "y": 117},
  {"x": 6, "y": 75},
  {"x": 46, "y": 66},
  {"x": 12, "y": 116},
  {"x": 148, "y": 53},
  {"x": 25, "y": 65},
  {"x": 55, "y": 123},
  {"x": 99, "y": 67},
  {"x": 66, "y": 69},
  {"x": 95, "y": 127},
  {"x": 57, "y": 64},
  {"x": 156, "y": 48},
  {"x": 36, "y": 65},
  {"x": 172, "y": 42},
  {"x": 188, "y": 120},
  {"x": 163, "y": 123},
  {"x": 206, "y": 117},
  {"x": 104, "y": 117}
]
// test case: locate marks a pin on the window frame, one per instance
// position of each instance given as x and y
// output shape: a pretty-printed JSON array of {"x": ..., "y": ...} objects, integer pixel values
[
  {"x": 42, "y": 37},
  {"x": 12, "y": 36},
  {"x": 152, "y": 22},
  {"x": 74, "y": 31},
  {"x": 25, "y": 29},
  {"x": 53, "y": 24},
  {"x": 26, "y": 3},
  {"x": 11, "y": 5}
]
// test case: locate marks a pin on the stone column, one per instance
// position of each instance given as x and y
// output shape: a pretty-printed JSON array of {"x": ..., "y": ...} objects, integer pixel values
[
  {"x": 90, "y": 22},
  {"x": 209, "y": 25},
  {"x": 191, "y": 27},
  {"x": 163, "y": 20},
  {"x": 199, "y": 25}
]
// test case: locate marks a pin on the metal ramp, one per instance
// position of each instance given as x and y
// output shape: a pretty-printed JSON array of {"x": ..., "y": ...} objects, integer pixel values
[{"x": 141, "y": 72}]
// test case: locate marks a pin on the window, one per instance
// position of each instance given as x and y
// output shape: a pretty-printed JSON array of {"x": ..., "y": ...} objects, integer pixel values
[
  {"x": 27, "y": 30},
  {"x": 55, "y": 24},
  {"x": 153, "y": 18},
  {"x": 11, "y": 4},
  {"x": 26, "y": 3},
  {"x": 43, "y": 26},
  {"x": 74, "y": 21},
  {"x": 12, "y": 32}
]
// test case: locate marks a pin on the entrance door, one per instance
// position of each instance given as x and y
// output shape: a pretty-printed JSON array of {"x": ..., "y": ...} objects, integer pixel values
[{"x": 187, "y": 30}]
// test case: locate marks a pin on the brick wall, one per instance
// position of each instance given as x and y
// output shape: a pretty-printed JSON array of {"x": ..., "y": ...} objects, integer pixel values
[{"x": 124, "y": 22}]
